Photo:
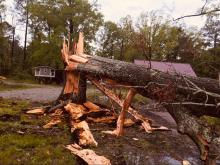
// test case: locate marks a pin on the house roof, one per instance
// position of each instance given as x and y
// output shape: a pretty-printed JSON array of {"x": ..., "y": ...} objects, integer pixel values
[
  {"x": 43, "y": 67},
  {"x": 169, "y": 67}
]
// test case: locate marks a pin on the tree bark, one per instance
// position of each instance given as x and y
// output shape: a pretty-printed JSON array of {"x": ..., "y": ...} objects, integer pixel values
[
  {"x": 195, "y": 93},
  {"x": 207, "y": 138}
]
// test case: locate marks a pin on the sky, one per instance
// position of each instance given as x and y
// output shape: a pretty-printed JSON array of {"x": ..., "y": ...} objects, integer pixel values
[{"x": 115, "y": 9}]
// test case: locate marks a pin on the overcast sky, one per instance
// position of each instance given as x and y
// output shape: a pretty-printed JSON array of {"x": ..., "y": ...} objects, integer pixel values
[{"x": 115, "y": 9}]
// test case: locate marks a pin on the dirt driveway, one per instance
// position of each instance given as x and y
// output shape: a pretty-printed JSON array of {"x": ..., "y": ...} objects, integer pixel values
[{"x": 39, "y": 93}]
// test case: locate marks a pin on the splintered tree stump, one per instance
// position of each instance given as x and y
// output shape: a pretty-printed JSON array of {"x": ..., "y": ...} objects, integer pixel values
[{"x": 72, "y": 83}]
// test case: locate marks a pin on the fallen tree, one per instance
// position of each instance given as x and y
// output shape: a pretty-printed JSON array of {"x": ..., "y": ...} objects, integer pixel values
[{"x": 185, "y": 98}]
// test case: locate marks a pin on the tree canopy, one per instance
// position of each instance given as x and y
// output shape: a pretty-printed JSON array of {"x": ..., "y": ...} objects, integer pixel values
[{"x": 151, "y": 36}]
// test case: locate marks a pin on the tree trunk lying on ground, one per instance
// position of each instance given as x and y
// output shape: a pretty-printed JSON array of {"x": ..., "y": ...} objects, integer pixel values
[{"x": 186, "y": 98}]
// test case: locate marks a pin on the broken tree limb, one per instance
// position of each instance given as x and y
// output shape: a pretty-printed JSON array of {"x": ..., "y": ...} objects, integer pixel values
[
  {"x": 145, "y": 122},
  {"x": 126, "y": 105},
  {"x": 207, "y": 139},
  {"x": 89, "y": 156},
  {"x": 84, "y": 134},
  {"x": 80, "y": 129}
]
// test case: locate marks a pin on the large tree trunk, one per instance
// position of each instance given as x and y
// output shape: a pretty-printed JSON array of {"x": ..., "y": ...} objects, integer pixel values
[{"x": 191, "y": 92}]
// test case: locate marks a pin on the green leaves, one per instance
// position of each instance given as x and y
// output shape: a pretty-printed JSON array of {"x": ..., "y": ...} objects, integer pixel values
[{"x": 51, "y": 20}]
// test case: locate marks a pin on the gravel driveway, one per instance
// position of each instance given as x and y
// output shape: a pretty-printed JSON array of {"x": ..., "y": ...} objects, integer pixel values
[{"x": 40, "y": 93}]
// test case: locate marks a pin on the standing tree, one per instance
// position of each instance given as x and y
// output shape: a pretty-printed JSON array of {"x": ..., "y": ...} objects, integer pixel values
[
  {"x": 155, "y": 38},
  {"x": 23, "y": 7},
  {"x": 211, "y": 32},
  {"x": 108, "y": 40},
  {"x": 51, "y": 20},
  {"x": 126, "y": 34}
]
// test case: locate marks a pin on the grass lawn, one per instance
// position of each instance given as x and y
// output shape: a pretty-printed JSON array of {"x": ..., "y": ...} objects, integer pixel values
[
  {"x": 24, "y": 141},
  {"x": 8, "y": 87}
]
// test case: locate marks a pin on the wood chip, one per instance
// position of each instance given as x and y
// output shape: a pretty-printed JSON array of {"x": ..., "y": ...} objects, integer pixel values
[
  {"x": 135, "y": 139},
  {"x": 52, "y": 123},
  {"x": 2, "y": 78},
  {"x": 110, "y": 132},
  {"x": 76, "y": 111},
  {"x": 39, "y": 111},
  {"x": 20, "y": 132},
  {"x": 107, "y": 119},
  {"x": 128, "y": 123},
  {"x": 83, "y": 132},
  {"x": 57, "y": 112},
  {"x": 91, "y": 105},
  {"x": 161, "y": 128},
  {"x": 89, "y": 156},
  {"x": 186, "y": 162}
]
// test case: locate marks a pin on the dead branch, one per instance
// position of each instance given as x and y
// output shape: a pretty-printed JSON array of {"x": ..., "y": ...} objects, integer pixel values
[
  {"x": 121, "y": 118},
  {"x": 199, "y": 14},
  {"x": 145, "y": 122}
]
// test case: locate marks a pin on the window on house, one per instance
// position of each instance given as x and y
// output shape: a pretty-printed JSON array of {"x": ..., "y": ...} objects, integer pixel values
[
  {"x": 37, "y": 71},
  {"x": 53, "y": 73}
]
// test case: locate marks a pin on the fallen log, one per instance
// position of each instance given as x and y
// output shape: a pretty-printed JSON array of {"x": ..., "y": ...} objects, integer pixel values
[{"x": 156, "y": 85}]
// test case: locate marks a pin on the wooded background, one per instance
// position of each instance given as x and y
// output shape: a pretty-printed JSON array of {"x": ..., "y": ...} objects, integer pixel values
[{"x": 153, "y": 36}]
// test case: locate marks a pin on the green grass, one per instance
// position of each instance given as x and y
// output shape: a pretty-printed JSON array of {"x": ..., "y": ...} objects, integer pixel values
[
  {"x": 9, "y": 87},
  {"x": 37, "y": 146},
  {"x": 33, "y": 149},
  {"x": 12, "y": 107},
  {"x": 211, "y": 120}
]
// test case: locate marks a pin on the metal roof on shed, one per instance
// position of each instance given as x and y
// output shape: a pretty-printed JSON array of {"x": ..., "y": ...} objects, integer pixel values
[{"x": 169, "y": 67}]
